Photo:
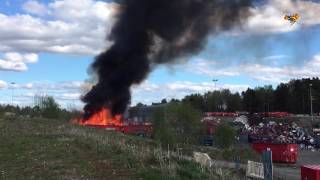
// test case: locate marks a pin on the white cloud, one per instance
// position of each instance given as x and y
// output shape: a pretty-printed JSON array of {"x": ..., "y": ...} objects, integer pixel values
[
  {"x": 269, "y": 18},
  {"x": 74, "y": 27},
  {"x": 82, "y": 10},
  {"x": 69, "y": 96},
  {"x": 3, "y": 84},
  {"x": 209, "y": 68},
  {"x": 12, "y": 66},
  {"x": 17, "y": 57},
  {"x": 13, "y": 61},
  {"x": 13, "y": 56},
  {"x": 80, "y": 27},
  {"x": 34, "y": 7},
  {"x": 282, "y": 74},
  {"x": 150, "y": 92},
  {"x": 260, "y": 72},
  {"x": 68, "y": 85},
  {"x": 60, "y": 26},
  {"x": 31, "y": 58},
  {"x": 147, "y": 92},
  {"x": 275, "y": 57}
]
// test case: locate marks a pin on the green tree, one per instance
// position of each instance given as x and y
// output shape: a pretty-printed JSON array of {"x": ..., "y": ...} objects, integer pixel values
[
  {"x": 163, "y": 132},
  {"x": 249, "y": 100},
  {"x": 211, "y": 100},
  {"x": 234, "y": 102},
  {"x": 264, "y": 98},
  {"x": 177, "y": 122},
  {"x": 185, "y": 121},
  {"x": 140, "y": 105},
  {"x": 48, "y": 106},
  {"x": 36, "y": 111},
  {"x": 196, "y": 101},
  {"x": 224, "y": 136},
  {"x": 164, "y": 101}
]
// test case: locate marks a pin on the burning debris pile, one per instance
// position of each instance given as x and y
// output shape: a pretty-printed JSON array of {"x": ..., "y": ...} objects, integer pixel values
[
  {"x": 102, "y": 118},
  {"x": 149, "y": 33}
]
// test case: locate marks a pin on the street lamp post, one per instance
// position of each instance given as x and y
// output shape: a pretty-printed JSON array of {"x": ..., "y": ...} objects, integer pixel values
[
  {"x": 214, "y": 89},
  {"x": 215, "y": 83},
  {"x": 311, "y": 108}
]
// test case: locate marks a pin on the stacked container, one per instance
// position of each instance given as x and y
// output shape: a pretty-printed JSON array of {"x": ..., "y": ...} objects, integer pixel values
[{"x": 310, "y": 172}]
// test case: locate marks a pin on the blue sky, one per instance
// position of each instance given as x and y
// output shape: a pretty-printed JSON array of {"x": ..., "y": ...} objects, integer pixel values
[{"x": 47, "y": 46}]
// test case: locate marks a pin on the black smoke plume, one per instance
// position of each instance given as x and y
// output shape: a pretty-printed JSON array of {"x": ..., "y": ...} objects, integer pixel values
[{"x": 152, "y": 32}]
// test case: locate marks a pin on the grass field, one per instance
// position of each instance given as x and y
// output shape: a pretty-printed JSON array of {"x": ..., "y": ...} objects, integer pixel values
[{"x": 53, "y": 149}]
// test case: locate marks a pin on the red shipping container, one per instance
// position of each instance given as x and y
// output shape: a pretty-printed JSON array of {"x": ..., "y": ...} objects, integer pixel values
[
  {"x": 310, "y": 172},
  {"x": 138, "y": 129},
  {"x": 286, "y": 153}
]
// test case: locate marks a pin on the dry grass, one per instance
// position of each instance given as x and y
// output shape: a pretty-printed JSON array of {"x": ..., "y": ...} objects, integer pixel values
[{"x": 53, "y": 149}]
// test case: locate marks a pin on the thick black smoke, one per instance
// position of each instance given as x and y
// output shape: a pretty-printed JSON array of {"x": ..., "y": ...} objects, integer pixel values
[{"x": 152, "y": 32}]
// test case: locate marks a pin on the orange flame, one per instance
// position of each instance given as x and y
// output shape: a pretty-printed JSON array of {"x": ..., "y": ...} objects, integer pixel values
[{"x": 101, "y": 118}]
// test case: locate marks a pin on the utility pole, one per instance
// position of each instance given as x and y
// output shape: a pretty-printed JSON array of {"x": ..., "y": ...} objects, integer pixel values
[{"x": 311, "y": 108}]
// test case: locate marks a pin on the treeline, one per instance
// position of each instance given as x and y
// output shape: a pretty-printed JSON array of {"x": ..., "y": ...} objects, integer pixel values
[
  {"x": 293, "y": 97},
  {"x": 178, "y": 122},
  {"x": 44, "y": 106}
]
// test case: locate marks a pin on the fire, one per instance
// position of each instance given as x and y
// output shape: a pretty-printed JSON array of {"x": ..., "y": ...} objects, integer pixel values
[{"x": 101, "y": 118}]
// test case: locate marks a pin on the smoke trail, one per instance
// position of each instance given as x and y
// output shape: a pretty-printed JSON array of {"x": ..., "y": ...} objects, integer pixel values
[{"x": 152, "y": 32}]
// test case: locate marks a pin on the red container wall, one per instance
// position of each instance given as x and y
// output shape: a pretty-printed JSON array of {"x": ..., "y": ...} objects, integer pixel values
[
  {"x": 136, "y": 129},
  {"x": 308, "y": 173},
  {"x": 287, "y": 153}
]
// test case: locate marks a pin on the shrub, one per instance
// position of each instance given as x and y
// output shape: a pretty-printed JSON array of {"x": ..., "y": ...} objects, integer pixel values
[
  {"x": 177, "y": 123},
  {"x": 225, "y": 136}
]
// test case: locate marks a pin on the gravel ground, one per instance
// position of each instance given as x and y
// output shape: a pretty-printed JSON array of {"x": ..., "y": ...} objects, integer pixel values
[{"x": 284, "y": 171}]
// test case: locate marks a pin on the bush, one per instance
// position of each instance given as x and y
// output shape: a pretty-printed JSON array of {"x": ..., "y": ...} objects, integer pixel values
[
  {"x": 225, "y": 136},
  {"x": 185, "y": 121},
  {"x": 162, "y": 131},
  {"x": 177, "y": 123},
  {"x": 47, "y": 107}
]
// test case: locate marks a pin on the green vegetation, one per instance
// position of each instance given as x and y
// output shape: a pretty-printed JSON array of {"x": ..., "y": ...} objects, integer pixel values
[
  {"x": 48, "y": 106},
  {"x": 163, "y": 132},
  {"x": 290, "y": 97},
  {"x": 177, "y": 123},
  {"x": 239, "y": 154},
  {"x": 38, "y": 148},
  {"x": 224, "y": 136},
  {"x": 36, "y": 145},
  {"x": 44, "y": 106}
]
